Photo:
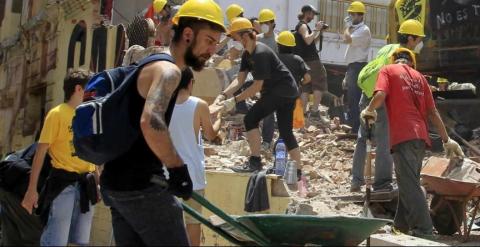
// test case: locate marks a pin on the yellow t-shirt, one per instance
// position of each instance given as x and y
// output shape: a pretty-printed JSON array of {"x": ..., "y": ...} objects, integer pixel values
[{"x": 57, "y": 132}]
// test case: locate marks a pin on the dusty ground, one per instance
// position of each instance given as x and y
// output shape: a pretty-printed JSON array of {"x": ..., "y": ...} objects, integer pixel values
[{"x": 327, "y": 160}]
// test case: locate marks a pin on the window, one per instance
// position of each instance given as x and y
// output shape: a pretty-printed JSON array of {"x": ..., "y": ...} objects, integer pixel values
[
  {"x": 2, "y": 10},
  {"x": 17, "y": 6}
]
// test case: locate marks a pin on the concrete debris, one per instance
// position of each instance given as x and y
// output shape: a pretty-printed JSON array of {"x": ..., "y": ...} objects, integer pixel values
[{"x": 326, "y": 158}]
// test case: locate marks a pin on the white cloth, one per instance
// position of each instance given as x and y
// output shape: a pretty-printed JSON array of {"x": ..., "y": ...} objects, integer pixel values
[
  {"x": 357, "y": 51},
  {"x": 188, "y": 144}
]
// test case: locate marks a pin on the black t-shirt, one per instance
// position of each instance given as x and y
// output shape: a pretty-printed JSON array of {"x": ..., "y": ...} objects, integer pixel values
[
  {"x": 265, "y": 65},
  {"x": 133, "y": 169},
  {"x": 295, "y": 64},
  {"x": 307, "y": 52}
]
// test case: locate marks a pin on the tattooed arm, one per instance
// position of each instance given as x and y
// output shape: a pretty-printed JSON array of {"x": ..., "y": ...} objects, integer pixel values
[{"x": 153, "y": 124}]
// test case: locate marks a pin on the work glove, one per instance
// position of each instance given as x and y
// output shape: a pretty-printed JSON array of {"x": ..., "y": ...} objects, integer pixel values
[
  {"x": 179, "y": 182},
  {"x": 219, "y": 99},
  {"x": 370, "y": 115},
  {"x": 229, "y": 104},
  {"x": 453, "y": 149}
]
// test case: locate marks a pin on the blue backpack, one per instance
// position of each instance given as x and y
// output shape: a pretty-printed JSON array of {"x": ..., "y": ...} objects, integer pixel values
[{"x": 102, "y": 129}]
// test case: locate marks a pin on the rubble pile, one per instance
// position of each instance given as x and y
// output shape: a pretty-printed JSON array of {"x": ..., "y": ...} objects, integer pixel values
[{"x": 327, "y": 160}]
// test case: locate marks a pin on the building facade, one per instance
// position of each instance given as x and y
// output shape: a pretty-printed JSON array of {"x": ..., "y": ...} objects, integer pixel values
[{"x": 40, "y": 41}]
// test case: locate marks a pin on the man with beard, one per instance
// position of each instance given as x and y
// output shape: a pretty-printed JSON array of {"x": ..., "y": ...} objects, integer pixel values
[
  {"x": 145, "y": 213},
  {"x": 278, "y": 93},
  {"x": 307, "y": 50}
]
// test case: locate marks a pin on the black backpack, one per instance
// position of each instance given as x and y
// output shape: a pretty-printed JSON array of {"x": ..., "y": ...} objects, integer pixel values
[{"x": 15, "y": 171}]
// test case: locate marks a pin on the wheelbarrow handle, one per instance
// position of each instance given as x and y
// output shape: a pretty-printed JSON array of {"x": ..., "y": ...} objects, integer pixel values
[
  {"x": 369, "y": 128},
  {"x": 212, "y": 227},
  {"x": 230, "y": 220},
  {"x": 205, "y": 203}
]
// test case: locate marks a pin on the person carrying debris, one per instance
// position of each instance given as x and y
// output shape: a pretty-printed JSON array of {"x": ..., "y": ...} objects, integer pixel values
[
  {"x": 66, "y": 213},
  {"x": 144, "y": 212},
  {"x": 410, "y": 36},
  {"x": 357, "y": 36},
  {"x": 410, "y": 105},
  {"x": 278, "y": 93},
  {"x": 190, "y": 118},
  {"x": 307, "y": 49}
]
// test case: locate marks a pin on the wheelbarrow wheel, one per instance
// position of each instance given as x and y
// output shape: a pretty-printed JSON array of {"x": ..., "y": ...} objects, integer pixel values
[{"x": 442, "y": 218}]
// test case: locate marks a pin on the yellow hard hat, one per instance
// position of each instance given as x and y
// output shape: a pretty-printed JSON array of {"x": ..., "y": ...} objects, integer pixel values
[
  {"x": 441, "y": 80},
  {"x": 266, "y": 15},
  {"x": 158, "y": 5},
  {"x": 206, "y": 10},
  {"x": 240, "y": 24},
  {"x": 356, "y": 7},
  {"x": 401, "y": 50},
  {"x": 412, "y": 27},
  {"x": 286, "y": 38},
  {"x": 233, "y": 10}
]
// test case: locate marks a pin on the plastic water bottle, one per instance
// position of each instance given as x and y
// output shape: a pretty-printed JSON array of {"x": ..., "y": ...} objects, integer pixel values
[{"x": 280, "y": 157}]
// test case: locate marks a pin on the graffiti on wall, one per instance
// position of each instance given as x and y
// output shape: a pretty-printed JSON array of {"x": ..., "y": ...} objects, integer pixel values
[{"x": 455, "y": 22}]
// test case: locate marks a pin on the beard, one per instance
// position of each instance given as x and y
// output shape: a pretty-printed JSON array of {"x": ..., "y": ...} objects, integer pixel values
[{"x": 196, "y": 62}]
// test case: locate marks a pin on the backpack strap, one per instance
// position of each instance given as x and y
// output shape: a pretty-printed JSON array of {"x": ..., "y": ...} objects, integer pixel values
[{"x": 154, "y": 58}]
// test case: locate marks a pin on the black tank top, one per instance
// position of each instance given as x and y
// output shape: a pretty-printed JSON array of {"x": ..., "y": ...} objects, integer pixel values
[
  {"x": 133, "y": 169},
  {"x": 305, "y": 51}
]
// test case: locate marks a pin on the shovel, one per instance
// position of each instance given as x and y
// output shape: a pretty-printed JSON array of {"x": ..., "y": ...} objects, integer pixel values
[{"x": 368, "y": 173}]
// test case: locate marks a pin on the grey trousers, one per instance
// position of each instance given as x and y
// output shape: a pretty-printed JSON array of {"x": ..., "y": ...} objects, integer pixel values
[
  {"x": 383, "y": 160},
  {"x": 412, "y": 210}
]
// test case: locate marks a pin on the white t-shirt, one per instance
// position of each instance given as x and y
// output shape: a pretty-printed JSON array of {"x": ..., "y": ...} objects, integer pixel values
[
  {"x": 188, "y": 144},
  {"x": 359, "y": 49}
]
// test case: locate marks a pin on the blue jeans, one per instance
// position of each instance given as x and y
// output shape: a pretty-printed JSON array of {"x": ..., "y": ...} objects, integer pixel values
[
  {"x": 66, "y": 224},
  {"x": 353, "y": 94},
  {"x": 383, "y": 158},
  {"x": 151, "y": 217}
]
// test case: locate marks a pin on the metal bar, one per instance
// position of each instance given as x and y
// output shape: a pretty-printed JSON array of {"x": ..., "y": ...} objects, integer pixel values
[
  {"x": 473, "y": 217},
  {"x": 206, "y": 204},
  {"x": 214, "y": 228},
  {"x": 233, "y": 222}
]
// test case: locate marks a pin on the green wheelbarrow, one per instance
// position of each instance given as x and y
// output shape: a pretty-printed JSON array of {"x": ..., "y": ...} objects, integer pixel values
[{"x": 281, "y": 229}]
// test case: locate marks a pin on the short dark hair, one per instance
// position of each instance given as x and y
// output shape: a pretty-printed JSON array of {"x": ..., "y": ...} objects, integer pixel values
[
  {"x": 73, "y": 78},
  {"x": 250, "y": 32},
  {"x": 193, "y": 23},
  {"x": 187, "y": 77},
  {"x": 253, "y": 19},
  {"x": 284, "y": 49},
  {"x": 403, "y": 38}
]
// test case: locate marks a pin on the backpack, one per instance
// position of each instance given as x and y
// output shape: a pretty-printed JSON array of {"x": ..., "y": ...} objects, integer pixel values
[
  {"x": 15, "y": 171},
  {"x": 102, "y": 129},
  {"x": 367, "y": 78}
]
